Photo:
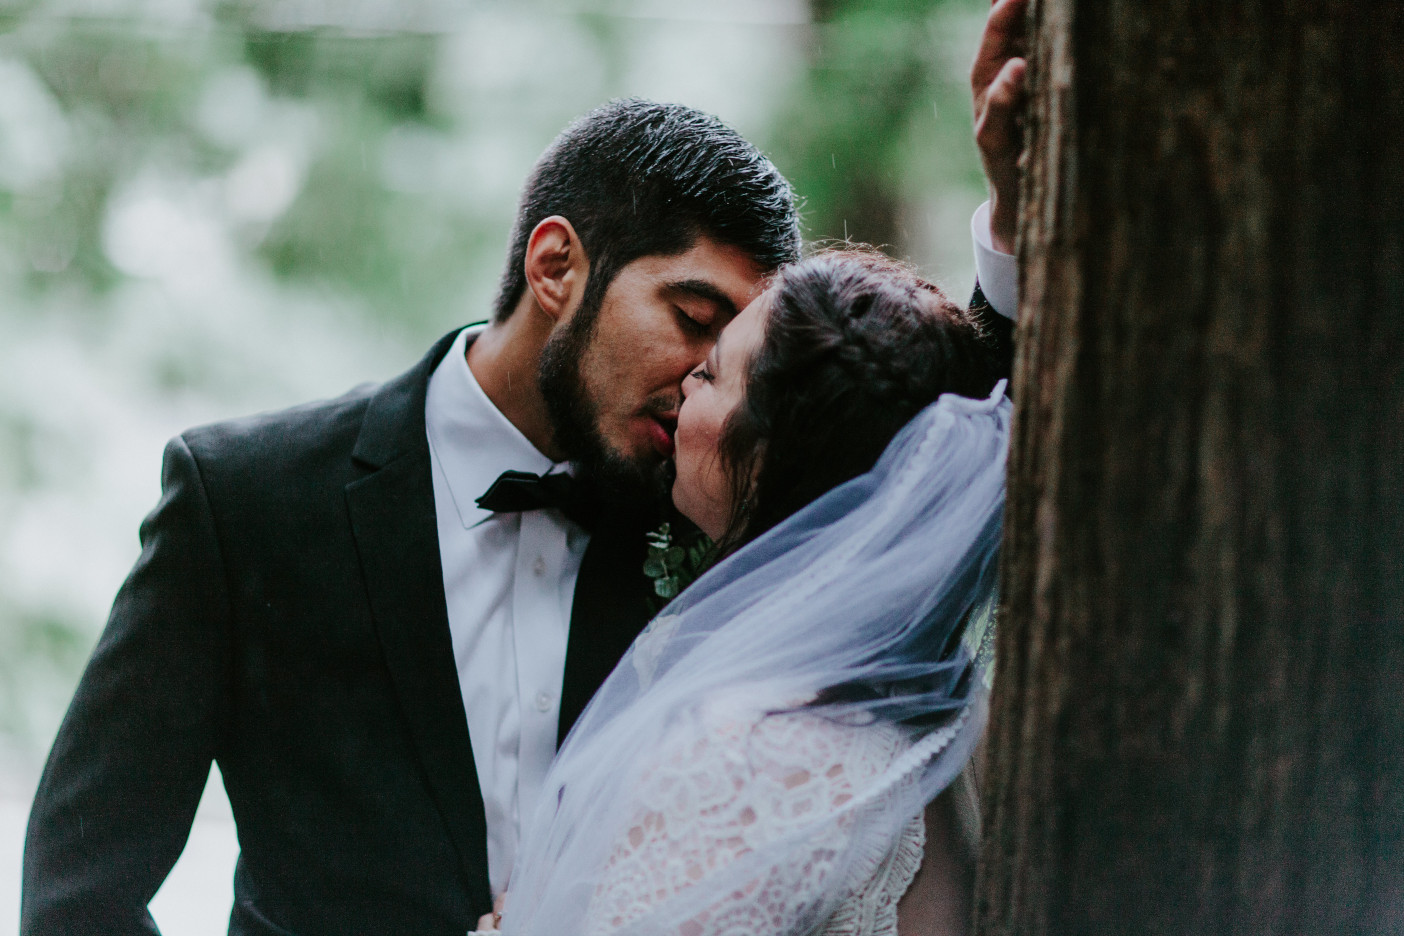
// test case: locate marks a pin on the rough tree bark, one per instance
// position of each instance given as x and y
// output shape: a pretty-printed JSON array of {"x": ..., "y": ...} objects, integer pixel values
[{"x": 1199, "y": 716}]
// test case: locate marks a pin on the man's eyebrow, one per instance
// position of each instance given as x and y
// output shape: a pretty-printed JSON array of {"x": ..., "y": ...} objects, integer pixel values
[{"x": 704, "y": 290}]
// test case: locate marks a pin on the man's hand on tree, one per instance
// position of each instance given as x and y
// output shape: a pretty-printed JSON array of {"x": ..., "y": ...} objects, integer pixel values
[{"x": 997, "y": 82}]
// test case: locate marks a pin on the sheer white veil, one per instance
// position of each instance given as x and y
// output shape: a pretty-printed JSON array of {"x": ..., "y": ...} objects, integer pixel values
[{"x": 872, "y": 605}]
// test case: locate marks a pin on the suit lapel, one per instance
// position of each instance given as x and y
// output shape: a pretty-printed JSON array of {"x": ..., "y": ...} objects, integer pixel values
[{"x": 393, "y": 521}]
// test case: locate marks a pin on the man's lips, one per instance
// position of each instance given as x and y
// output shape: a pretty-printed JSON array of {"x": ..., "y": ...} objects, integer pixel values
[{"x": 661, "y": 427}]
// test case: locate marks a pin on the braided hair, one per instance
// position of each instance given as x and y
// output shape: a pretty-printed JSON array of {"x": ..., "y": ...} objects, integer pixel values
[{"x": 855, "y": 345}]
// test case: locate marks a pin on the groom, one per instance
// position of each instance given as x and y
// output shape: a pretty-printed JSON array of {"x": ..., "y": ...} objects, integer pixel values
[
  {"x": 379, "y": 631},
  {"x": 371, "y": 612}
]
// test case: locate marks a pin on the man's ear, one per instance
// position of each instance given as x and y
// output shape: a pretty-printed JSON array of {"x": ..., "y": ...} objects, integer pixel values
[{"x": 556, "y": 267}]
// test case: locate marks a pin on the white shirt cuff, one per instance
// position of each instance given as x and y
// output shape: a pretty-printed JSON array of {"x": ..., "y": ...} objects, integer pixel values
[{"x": 997, "y": 272}]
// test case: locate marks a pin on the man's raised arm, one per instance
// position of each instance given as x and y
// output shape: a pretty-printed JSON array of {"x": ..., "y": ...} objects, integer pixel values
[{"x": 997, "y": 84}]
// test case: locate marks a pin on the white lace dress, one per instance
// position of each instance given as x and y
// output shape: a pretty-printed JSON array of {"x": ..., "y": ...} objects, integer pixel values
[
  {"x": 729, "y": 784},
  {"x": 733, "y": 782}
]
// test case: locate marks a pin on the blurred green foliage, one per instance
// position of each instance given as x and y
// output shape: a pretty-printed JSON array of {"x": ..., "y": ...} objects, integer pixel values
[
  {"x": 868, "y": 74},
  {"x": 858, "y": 135},
  {"x": 359, "y": 182}
]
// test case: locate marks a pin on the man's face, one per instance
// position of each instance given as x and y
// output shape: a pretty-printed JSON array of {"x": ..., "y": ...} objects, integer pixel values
[{"x": 613, "y": 380}]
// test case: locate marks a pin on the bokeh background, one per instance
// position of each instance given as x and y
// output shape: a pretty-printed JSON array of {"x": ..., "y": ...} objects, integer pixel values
[{"x": 211, "y": 208}]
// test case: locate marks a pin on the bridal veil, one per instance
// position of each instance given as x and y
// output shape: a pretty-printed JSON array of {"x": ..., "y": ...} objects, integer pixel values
[{"x": 776, "y": 730}]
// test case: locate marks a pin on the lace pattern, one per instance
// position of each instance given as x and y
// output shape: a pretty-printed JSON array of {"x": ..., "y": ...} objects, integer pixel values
[
  {"x": 733, "y": 783},
  {"x": 872, "y": 910}
]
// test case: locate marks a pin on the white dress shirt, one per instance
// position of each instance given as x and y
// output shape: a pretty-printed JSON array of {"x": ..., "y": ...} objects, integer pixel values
[
  {"x": 510, "y": 582},
  {"x": 997, "y": 272}
]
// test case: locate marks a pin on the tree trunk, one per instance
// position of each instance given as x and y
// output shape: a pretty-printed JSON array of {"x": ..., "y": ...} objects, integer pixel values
[{"x": 1198, "y": 724}]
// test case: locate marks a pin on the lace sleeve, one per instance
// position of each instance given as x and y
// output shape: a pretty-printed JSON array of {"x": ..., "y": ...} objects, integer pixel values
[{"x": 725, "y": 787}]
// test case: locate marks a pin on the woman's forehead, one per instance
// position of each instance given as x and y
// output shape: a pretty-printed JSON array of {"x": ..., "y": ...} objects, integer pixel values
[{"x": 742, "y": 336}]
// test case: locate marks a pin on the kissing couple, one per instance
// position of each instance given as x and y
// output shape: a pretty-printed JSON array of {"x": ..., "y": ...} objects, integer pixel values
[{"x": 381, "y": 615}]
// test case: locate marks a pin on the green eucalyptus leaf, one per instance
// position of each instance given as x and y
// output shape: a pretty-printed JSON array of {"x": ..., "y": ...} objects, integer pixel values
[{"x": 660, "y": 538}]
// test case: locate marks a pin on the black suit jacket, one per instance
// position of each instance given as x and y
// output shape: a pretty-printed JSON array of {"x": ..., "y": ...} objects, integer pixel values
[
  {"x": 998, "y": 333},
  {"x": 287, "y": 619}
]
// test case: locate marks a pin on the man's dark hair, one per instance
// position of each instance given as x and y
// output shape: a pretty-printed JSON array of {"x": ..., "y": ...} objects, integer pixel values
[{"x": 638, "y": 179}]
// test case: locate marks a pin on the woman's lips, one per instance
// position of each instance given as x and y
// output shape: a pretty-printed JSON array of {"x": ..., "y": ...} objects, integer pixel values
[{"x": 660, "y": 433}]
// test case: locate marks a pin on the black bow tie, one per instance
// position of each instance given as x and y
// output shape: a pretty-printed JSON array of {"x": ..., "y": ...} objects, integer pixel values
[{"x": 518, "y": 491}]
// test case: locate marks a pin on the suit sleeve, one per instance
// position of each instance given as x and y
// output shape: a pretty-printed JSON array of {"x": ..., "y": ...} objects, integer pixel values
[
  {"x": 998, "y": 333},
  {"x": 997, "y": 276},
  {"x": 119, "y": 791}
]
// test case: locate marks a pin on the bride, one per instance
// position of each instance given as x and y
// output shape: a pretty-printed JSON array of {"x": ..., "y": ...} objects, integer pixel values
[{"x": 762, "y": 758}]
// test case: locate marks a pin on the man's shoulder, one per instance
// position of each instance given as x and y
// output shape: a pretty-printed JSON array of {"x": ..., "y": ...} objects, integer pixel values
[
  {"x": 325, "y": 427},
  {"x": 314, "y": 433}
]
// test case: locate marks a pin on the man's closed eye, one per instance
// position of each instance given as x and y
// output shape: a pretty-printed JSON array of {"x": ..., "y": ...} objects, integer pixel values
[{"x": 691, "y": 325}]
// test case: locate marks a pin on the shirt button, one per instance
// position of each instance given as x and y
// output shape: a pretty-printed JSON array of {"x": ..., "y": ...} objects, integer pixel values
[
  {"x": 539, "y": 566},
  {"x": 543, "y": 702}
]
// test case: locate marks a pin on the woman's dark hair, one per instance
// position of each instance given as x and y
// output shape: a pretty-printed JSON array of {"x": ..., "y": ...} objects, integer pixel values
[{"x": 855, "y": 345}]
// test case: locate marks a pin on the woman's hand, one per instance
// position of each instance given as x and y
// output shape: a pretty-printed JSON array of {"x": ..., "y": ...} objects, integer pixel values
[
  {"x": 491, "y": 922},
  {"x": 997, "y": 84}
]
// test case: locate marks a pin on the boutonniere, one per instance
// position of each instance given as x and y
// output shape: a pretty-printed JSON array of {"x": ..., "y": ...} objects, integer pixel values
[{"x": 674, "y": 561}]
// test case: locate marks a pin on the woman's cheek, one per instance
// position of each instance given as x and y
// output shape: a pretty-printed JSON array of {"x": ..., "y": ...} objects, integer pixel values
[
  {"x": 685, "y": 462},
  {"x": 698, "y": 489},
  {"x": 692, "y": 441}
]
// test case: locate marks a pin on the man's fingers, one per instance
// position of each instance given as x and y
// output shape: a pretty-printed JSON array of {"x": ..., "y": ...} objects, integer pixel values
[
  {"x": 997, "y": 126},
  {"x": 1008, "y": 87},
  {"x": 1001, "y": 41}
]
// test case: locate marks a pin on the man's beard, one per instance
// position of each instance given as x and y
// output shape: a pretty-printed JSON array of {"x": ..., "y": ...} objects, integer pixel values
[{"x": 575, "y": 424}]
